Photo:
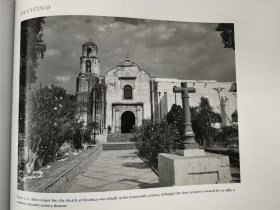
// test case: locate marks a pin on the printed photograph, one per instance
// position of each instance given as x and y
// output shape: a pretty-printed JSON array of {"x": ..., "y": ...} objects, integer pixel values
[{"x": 116, "y": 103}]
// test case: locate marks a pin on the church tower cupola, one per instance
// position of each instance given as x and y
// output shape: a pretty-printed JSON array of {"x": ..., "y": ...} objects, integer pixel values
[{"x": 89, "y": 59}]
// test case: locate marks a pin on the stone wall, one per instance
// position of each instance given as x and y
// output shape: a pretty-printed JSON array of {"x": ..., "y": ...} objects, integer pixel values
[{"x": 59, "y": 176}]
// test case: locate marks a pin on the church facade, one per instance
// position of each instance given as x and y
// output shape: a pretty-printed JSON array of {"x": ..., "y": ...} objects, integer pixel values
[{"x": 127, "y": 94}]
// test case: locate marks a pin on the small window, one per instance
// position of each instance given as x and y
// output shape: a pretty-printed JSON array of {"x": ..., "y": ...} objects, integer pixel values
[
  {"x": 89, "y": 52},
  {"x": 127, "y": 92},
  {"x": 88, "y": 66}
]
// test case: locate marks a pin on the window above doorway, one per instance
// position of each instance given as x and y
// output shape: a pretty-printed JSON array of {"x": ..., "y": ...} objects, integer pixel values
[{"x": 127, "y": 92}]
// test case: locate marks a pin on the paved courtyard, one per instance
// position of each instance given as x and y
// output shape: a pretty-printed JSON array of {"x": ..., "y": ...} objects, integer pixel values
[{"x": 114, "y": 170}]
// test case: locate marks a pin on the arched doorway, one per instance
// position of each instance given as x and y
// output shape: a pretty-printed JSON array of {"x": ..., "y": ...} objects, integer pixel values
[{"x": 127, "y": 121}]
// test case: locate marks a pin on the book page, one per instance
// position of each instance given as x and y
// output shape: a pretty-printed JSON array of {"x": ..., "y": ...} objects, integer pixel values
[
  {"x": 150, "y": 104},
  {"x": 7, "y": 9}
]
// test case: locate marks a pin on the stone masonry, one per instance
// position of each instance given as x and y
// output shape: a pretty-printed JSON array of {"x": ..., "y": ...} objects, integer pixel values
[{"x": 177, "y": 170}]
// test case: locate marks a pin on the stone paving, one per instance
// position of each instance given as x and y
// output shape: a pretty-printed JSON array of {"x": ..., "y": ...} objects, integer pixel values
[{"x": 114, "y": 170}]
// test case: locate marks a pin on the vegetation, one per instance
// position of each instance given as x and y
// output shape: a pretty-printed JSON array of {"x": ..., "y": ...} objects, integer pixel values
[
  {"x": 32, "y": 47},
  {"x": 227, "y": 133},
  {"x": 49, "y": 113},
  {"x": 154, "y": 138},
  {"x": 175, "y": 115},
  {"x": 46, "y": 114},
  {"x": 50, "y": 122},
  {"x": 81, "y": 135},
  {"x": 234, "y": 116},
  {"x": 227, "y": 34},
  {"x": 202, "y": 118}
]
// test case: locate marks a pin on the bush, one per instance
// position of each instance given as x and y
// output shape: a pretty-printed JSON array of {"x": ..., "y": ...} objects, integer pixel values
[
  {"x": 79, "y": 134},
  {"x": 234, "y": 116},
  {"x": 21, "y": 152},
  {"x": 230, "y": 131},
  {"x": 175, "y": 115},
  {"x": 202, "y": 118},
  {"x": 154, "y": 138},
  {"x": 49, "y": 117},
  {"x": 76, "y": 137},
  {"x": 228, "y": 136},
  {"x": 87, "y": 135}
]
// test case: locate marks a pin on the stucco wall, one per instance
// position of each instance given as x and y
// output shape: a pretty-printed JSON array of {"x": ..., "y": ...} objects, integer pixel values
[
  {"x": 166, "y": 97},
  {"x": 116, "y": 79}
]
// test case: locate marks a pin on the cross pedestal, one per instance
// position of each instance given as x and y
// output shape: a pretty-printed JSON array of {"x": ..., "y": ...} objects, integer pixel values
[{"x": 191, "y": 165}]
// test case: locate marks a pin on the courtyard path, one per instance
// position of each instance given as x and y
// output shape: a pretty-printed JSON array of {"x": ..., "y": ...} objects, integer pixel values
[{"x": 114, "y": 170}]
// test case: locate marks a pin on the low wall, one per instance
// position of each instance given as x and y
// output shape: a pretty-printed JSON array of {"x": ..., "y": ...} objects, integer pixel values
[
  {"x": 101, "y": 138},
  {"x": 59, "y": 176}
]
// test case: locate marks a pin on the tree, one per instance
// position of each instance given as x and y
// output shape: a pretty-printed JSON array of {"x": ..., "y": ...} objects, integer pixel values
[
  {"x": 202, "y": 123},
  {"x": 32, "y": 47},
  {"x": 202, "y": 117},
  {"x": 175, "y": 115},
  {"x": 227, "y": 34},
  {"x": 50, "y": 112}
]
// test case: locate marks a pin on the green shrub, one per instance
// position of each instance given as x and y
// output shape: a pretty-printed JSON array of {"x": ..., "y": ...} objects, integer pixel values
[{"x": 154, "y": 138}]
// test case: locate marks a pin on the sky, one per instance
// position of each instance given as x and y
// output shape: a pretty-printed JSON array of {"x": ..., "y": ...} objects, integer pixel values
[{"x": 165, "y": 49}]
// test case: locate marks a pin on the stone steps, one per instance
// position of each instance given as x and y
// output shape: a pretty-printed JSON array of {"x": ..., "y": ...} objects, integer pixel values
[
  {"x": 119, "y": 137},
  {"x": 119, "y": 146},
  {"x": 119, "y": 141}
]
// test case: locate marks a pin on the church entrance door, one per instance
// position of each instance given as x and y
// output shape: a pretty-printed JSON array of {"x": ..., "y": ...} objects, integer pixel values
[{"x": 127, "y": 121}]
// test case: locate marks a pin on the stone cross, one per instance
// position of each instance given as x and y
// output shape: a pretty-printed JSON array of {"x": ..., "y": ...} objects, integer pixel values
[{"x": 187, "y": 137}]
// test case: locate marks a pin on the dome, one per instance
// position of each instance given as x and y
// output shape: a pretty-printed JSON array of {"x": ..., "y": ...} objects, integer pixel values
[
  {"x": 127, "y": 63},
  {"x": 89, "y": 43}
]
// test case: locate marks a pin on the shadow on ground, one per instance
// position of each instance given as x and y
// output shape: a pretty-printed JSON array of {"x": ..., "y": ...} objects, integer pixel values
[
  {"x": 135, "y": 165},
  {"x": 141, "y": 184}
]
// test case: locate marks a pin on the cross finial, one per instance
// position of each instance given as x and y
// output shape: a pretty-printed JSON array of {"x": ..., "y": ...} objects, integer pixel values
[{"x": 127, "y": 57}]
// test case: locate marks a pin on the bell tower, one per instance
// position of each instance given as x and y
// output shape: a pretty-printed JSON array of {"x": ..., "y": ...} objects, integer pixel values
[
  {"x": 86, "y": 80},
  {"x": 89, "y": 59}
]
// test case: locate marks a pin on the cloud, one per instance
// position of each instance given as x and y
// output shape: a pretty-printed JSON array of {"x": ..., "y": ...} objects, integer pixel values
[
  {"x": 102, "y": 28},
  {"x": 162, "y": 48},
  {"x": 74, "y": 54},
  {"x": 52, "y": 53},
  {"x": 63, "y": 78}
]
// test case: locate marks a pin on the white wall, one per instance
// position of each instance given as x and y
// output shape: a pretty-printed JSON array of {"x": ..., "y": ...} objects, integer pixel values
[{"x": 138, "y": 79}]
